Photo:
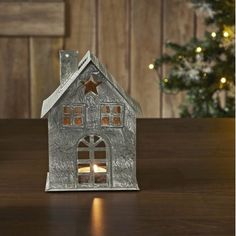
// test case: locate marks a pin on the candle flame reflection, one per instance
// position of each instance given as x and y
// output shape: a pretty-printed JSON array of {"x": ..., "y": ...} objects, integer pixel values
[{"x": 97, "y": 217}]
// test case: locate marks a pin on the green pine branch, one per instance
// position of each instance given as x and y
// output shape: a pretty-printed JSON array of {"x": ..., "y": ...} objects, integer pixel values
[{"x": 204, "y": 69}]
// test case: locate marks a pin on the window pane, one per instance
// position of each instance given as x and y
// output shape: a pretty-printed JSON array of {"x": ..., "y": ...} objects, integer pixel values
[
  {"x": 83, "y": 155},
  {"x": 105, "y": 120},
  {"x": 81, "y": 144},
  {"x": 105, "y": 109},
  {"x": 84, "y": 168},
  {"x": 100, "y": 179},
  {"x": 66, "y": 121},
  {"x": 96, "y": 138},
  {"x": 116, "y": 121},
  {"x": 78, "y": 121},
  {"x": 78, "y": 110},
  {"x": 84, "y": 179},
  {"x": 100, "y": 168},
  {"x": 117, "y": 109},
  {"x": 67, "y": 110},
  {"x": 101, "y": 144},
  {"x": 100, "y": 154},
  {"x": 87, "y": 138}
]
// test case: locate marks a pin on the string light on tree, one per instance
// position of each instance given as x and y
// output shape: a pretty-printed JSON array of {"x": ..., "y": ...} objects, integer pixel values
[
  {"x": 198, "y": 49},
  {"x": 207, "y": 64},
  {"x": 223, "y": 80},
  {"x": 151, "y": 66},
  {"x": 225, "y": 34},
  {"x": 213, "y": 34}
]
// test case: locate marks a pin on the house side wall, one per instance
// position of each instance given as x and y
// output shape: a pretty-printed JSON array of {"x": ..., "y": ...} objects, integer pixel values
[{"x": 63, "y": 141}]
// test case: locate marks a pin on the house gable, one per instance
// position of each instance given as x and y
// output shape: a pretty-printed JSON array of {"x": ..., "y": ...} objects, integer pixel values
[{"x": 86, "y": 60}]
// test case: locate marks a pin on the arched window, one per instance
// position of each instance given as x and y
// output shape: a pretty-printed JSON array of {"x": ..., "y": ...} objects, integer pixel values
[{"x": 93, "y": 161}]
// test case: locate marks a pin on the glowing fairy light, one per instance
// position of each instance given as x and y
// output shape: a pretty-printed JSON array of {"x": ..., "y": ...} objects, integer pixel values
[
  {"x": 151, "y": 66},
  {"x": 198, "y": 49},
  {"x": 213, "y": 34}
]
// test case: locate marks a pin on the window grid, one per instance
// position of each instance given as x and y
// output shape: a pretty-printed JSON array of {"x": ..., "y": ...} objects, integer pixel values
[
  {"x": 73, "y": 115},
  {"x": 111, "y": 115},
  {"x": 91, "y": 161}
]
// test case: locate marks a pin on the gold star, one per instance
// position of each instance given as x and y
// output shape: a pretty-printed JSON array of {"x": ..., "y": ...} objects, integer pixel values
[{"x": 91, "y": 85}]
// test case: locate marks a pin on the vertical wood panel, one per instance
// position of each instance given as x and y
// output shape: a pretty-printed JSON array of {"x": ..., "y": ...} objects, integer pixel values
[
  {"x": 14, "y": 78},
  {"x": 127, "y": 34},
  {"x": 200, "y": 26},
  {"x": 178, "y": 27},
  {"x": 44, "y": 54},
  {"x": 113, "y": 39},
  {"x": 145, "y": 47},
  {"x": 80, "y": 26}
]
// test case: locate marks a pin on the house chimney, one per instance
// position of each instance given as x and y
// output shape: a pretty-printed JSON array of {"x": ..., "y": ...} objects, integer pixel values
[{"x": 68, "y": 64}]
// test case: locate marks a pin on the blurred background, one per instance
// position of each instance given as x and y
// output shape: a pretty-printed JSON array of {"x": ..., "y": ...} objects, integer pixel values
[{"x": 126, "y": 35}]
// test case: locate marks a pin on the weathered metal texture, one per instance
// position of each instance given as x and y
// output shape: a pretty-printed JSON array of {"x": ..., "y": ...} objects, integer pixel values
[
  {"x": 69, "y": 64},
  {"x": 63, "y": 140}
]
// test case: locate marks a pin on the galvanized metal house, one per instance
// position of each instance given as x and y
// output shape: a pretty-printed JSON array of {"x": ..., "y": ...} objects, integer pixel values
[{"x": 91, "y": 129}]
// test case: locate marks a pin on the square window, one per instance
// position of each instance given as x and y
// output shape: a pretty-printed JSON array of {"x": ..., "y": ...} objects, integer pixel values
[
  {"x": 73, "y": 115},
  {"x": 78, "y": 121},
  {"x": 83, "y": 155},
  {"x": 67, "y": 110},
  {"x": 105, "y": 109},
  {"x": 66, "y": 121},
  {"x": 116, "y": 121},
  {"x": 84, "y": 179},
  {"x": 100, "y": 179},
  {"x": 78, "y": 110},
  {"x": 116, "y": 109},
  {"x": 84, "y": 168},
  {"x": 105, "y": 120}
]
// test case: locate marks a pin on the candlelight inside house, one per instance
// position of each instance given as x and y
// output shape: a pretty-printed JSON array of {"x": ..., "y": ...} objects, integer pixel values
[
  {"x": 102, "y": 98},
  {"x": 93, "y": 120},
  {"x": 97, "y": 168}
]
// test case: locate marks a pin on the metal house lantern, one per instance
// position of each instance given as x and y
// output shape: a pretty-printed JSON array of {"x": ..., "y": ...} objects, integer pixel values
[{"x": 91, "y": 129}]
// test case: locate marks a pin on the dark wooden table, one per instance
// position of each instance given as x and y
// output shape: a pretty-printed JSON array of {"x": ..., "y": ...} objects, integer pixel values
[{"x": 185, "y": 172}]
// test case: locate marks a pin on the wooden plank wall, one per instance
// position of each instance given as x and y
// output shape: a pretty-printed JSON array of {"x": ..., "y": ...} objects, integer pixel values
[{"x": 126, "y": 35}]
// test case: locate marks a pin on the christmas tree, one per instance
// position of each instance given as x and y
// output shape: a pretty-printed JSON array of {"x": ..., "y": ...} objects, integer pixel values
[{"x": 204, "y": 68}]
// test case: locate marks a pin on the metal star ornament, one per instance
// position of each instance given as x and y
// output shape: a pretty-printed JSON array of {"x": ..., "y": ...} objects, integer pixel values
[{"x": 91, "y": 85}]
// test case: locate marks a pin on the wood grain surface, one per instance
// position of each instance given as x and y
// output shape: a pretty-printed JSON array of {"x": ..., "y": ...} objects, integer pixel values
[
  {"x": 113, "y": 48},
  {"x": 145, "y": 47},
  {"x": 44, "y": 70},
  {"x": 32, "y": 18},
  {"x": 185, "y": 170},
  {"x": 14, "y": 78},
  {"x": 81, "y": 26},
  {"x": 179, "y": 28},
  {"x": 126, "y": 35}
]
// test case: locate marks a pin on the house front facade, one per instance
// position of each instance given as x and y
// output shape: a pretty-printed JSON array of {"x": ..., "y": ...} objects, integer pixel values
[{"x": 91, "y": 130}]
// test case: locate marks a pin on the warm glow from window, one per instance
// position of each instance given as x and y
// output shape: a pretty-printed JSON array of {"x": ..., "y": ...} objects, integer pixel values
[
  {"x": 84, "y": 169},
  {"x": 98, "y": 169}
]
